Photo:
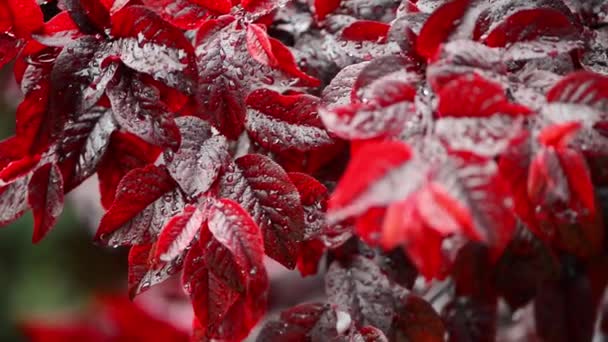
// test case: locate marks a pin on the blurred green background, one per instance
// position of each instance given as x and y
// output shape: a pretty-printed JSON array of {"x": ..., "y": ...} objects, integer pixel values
[{"x": 58, "y": 275}]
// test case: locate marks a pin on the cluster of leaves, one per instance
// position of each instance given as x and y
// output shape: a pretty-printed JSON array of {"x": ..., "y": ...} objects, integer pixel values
[{"x": 463, "y": 140}]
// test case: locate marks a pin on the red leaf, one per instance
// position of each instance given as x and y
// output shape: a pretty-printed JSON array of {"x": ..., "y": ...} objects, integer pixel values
[
  {"x": 472, "y": 95},
  {"x": 124, "y": 153},
  {"x": 281, "y": 123},
  {"x": 211, "y": 299},
  {"x": 366, "y": 30},
  {"x": 59, "y": 31},
  {"x": 579, "y": 178},
  {"x": 13, "y": 200},
  {"x": 418, "y": 321},
  {"x": 226, "y": 82},
  {"x": 265, "y": 191},
  {"x": 365, "y": 185},
  {"x": 524, "y": 20},
  {"x": 145, "y": 273},
  {"x": 361, "y": 288},
  {"x": 138, "y": 109},
  {"x": 26, "y": 16},
  {"x": 360, "y": 121},
  {"x": 261, "y": 8},
  {"x": 313, "y": 196},
  {"x": 178, "y": 233},
  {"x": 322, "y": 8},
  {"x": 584, "y": 88},
  {"x": 439, "y": 26},
  {"x": 137, "y": 193},
  {"x": 197, "y": 163},
  {"x": 149, "y": 45},
  {"x": 188, "y": 14},
  {"x": 259, "y": 47},
  {"x": 91, "y": 16},
  {"x": 82, "y": 145},
  {"x": 232, "y": 226},
  {"x": 45, "y": 197}
]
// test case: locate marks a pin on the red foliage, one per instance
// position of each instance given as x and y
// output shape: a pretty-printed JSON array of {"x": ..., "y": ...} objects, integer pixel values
[{"x": 462, "y": 141}]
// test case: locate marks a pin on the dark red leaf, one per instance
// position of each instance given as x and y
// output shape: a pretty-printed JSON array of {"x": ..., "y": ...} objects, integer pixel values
[
  {"x": 439, "y": 26},
  {"x": 145, "y": 199},
  {"x": 511, "y": 22},
  {"x": 265, "y": 191},
  {"x": 365, "y": 185},
  {"x": 211, "y": 299},
  {"x": 83, "y": 144},
  {"x": 197, "y": 163},
  {"x": 59, "y": 31},
  {"x": 13, "y": 199},
  {"x": 178, "y": 233},
  {"x": 361, "y": 288},
  {"x": 149, "y": 45},
  {"x": 91, "y": 16},
  {"x": 124, "y": 153},
  {"x": 234, "y": 228},
  {"x": 188, "y": 14},
  {"x": 469, "y": 320},
  {"x": 145, "y": 273},
  {"x": 281, "y": 123},
  {"x": 322, "y": 8},
  {"x": 418, "y": 321},
  {"x": 259, "y": 47},
  {"x": 564, "y": 309},
  {"x": 137, "y": 109},
  {"x": 228, "y": 73},
  {"x": 45, "y": 197},
  {"x": 584, "y": 88},
  {"x": 366, "y": 30},
  {"x": 474, "y": 96}
]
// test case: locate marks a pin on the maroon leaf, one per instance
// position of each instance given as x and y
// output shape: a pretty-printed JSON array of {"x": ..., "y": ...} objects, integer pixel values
[
  {"x": 366, "y": 30},
  {"x": 188, "y": 14},
  {"x": 510, "y": 22},
  {"x": 469, "y": 320},
  {"x": 362, "y": 289},
  {"x": 338, "y": 92},
  {"x": 59, "y": 31},
  {"x": 197, "y": 163},
  {"x": 124, "y": 153},
  {"x": 418, "y": 321},
  {"x": 83, "y": 144},
  {"x": 91, "y": 16},
  {"x": 211, "y": 299},
  {"x": 564, "y": 309},
  {"x": 259, "y": 47},
  {"x": 145, "y": 273},
  {"x": 265, "y": 191},
  {"x": 232, "y": 226},
  {"x": 439, "y": 26},
  {"x": 45, "y": 197},
  {"x": 228, "y": 73},
  {"x": 582, "y": 88},
  {"x": 324, "y": 7},
  {"x": 484, "y": 99},
  {"x": 281, "y": 123},
  {"x": 137, "y": 108},
  {"x": 145, "y": 199},
  {"x": 149, "y": 45},
  {"x": 366, "y": 185},
  {"x": 178, "y": 233}
]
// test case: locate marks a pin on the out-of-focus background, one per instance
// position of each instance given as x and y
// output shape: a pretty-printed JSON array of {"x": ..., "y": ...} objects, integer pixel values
[{"x": 59, "y": 276}]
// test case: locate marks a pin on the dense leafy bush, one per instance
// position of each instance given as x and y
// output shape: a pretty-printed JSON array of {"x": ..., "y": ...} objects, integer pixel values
[{"x": 464, "y": 141}]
